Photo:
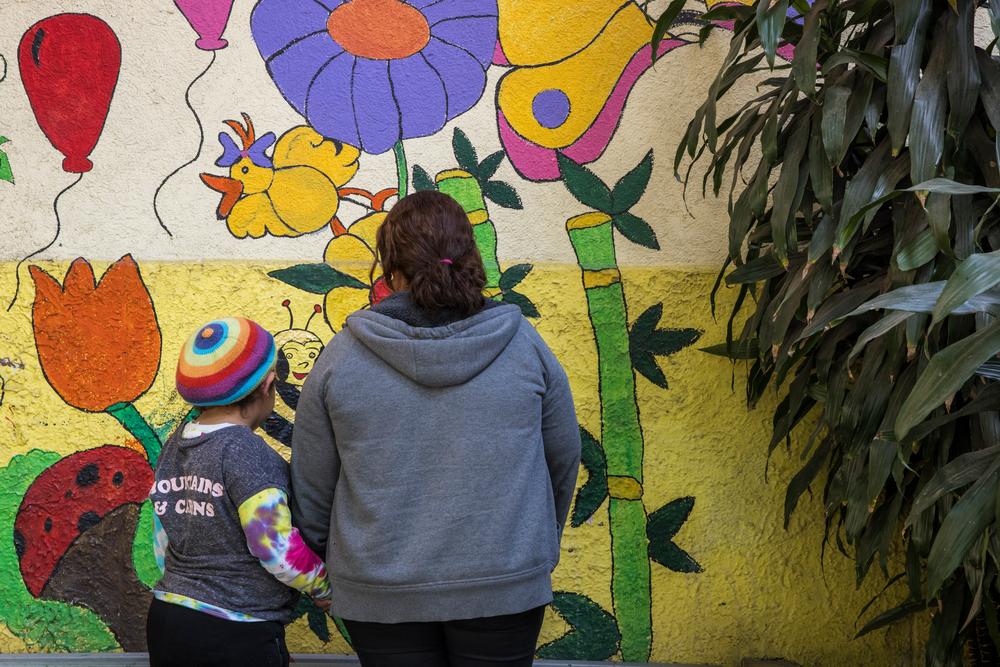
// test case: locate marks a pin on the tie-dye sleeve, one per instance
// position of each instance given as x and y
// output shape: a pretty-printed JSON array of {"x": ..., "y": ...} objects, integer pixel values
[{"x": 267, "y": 523}]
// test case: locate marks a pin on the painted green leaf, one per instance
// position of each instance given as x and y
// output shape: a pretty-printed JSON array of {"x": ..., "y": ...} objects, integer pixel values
[
  {"x": 527, "y": 306},
  {"x": 630, "y": 187},
  {"x": 514, "y": 275},
  {"x": 595, "y": 489},
  {"x": 593, "y": 633},
  {"x": 143, "y": 551},
  {"x": 502, "y": 194},
  {"x": 5, "y": 170},
  {"x": 647, "y": 341},
  {"x": 421, "y": 179},
  {"x": 636, "y": 230},
  {"x": 465, "y": 153},
  {"x": 645, "y": 364},
  {"x": 661, "y": 527},
  {"x": 315, "y": 278},
  {"x": 583, "y": 184},
  {"x": 490, "y": 164},
  {"x": 317, "y": 623},
  {"x": 946, "y": 372}
]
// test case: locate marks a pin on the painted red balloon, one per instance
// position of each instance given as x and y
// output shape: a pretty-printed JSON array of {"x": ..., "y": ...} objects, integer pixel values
[{"x": 69, "y": 67}]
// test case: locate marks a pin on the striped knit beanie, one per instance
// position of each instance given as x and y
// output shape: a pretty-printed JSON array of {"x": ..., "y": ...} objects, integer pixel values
[{"x": 224, "y": 361}]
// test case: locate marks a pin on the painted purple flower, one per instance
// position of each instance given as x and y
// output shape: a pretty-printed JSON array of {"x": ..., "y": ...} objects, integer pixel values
[{"x": 374, "y": 72}]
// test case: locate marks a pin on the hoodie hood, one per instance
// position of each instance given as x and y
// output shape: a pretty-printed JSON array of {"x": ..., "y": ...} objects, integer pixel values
[{"x": 438, "y": 356}]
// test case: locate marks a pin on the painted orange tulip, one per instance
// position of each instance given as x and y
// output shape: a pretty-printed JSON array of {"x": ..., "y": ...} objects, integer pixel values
[{"x": 98, "y": 343}]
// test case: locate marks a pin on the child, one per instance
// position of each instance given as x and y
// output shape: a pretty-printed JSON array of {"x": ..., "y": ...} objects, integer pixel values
[{"x": 221, "y": 497}]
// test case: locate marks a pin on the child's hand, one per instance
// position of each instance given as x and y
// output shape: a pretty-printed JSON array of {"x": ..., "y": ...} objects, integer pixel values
[{"x": 322, "y": 604}]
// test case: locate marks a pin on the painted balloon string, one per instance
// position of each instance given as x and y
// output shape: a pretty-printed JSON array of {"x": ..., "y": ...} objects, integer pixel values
[
  {"x": 201, "y": 144},
  {"x": 55, "y": 209}
]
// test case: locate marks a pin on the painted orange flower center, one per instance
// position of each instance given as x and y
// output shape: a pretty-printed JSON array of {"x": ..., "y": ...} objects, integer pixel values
[{"x": 379, "y": 29}]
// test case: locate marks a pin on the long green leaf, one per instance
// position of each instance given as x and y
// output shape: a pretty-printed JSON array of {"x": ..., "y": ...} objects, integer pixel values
[
  {"x": 834, "y": 122},
  {"x": 785, "y": 189},
  {"x": 961, "y": 527},
  {"x": 894, "y": 615},
  {"x": 859, "y": 193},
  {"x": 927, "y": 122},
  {"x": 963, "y": 69},
  {"x": 891, "y": 320},
  {"x": 904, "y": 74},
  {"x": 804, "y": 61},
  {"x": 946, "y": 372},
  {"x": 804, "y": 478},
  {"x": 937, "y": 209},
  {"x": 770, "y": 22},
  {"x": 960, "y": 471},
  {"x": 756, "y": 270},
  {"x": 838, "y": 307},
  {"x": 917, "y": 252},
  {"x": 663, "y": 24},
  {"x": 973, "y": 276},
  {"x": 877, "y": 66},
  {"x": 922, "y": 297}
]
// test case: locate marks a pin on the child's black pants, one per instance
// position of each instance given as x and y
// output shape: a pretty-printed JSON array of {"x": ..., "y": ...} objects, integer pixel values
[{"x": 182, "y": 637}]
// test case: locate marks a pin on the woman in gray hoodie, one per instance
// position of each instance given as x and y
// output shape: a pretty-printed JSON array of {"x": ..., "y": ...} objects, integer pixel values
[{"x": 435, "y": 456}]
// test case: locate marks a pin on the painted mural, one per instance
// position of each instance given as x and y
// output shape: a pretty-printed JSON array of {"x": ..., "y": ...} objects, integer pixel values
[{"x": 547, "y": 121}]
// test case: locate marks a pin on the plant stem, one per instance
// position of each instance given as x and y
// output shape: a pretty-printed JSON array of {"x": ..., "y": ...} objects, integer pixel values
[
  {"x": 137, "y": 425},
  {"x": 402, "y": 170},
  {"x": 464, "y": 188},
  {"x": 591, "y": 235}
]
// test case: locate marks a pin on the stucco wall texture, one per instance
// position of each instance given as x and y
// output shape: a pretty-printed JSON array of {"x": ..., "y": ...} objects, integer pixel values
[{"x": 548, "y": 123}]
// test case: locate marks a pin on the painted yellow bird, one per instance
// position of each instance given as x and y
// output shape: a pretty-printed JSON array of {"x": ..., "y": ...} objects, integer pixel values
[{"x": 292, "y": 192}]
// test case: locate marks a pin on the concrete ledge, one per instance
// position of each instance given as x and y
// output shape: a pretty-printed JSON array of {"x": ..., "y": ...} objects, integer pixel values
[{"x": 312, "y": 660}]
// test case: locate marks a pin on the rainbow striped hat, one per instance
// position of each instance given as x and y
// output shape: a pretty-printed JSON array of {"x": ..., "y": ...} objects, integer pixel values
[{"x": 224, "y": 361}]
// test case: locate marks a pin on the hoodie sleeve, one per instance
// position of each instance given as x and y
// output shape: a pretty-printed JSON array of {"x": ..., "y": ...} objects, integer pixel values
[
  {"x": 560, "y": 435},
  {"x": 315, "y": 464}
]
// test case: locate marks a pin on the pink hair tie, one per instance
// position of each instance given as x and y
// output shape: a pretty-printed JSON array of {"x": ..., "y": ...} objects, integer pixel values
[{"x": 447, "y": 261}]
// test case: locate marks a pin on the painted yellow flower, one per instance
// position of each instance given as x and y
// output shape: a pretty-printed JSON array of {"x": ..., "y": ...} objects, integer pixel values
[{"x": 353, "y": 253}]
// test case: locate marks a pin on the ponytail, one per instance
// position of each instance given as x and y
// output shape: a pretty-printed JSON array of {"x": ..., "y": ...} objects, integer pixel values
[{"x": 427, "y": 239}]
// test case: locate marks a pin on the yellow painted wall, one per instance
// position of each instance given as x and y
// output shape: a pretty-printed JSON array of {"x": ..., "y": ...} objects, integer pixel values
[{"x": 737, "y": 585}]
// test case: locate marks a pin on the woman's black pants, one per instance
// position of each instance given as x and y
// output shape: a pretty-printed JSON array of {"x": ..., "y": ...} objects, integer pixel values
[
  {"x": 182, "y": 637},
  {"x": 496, "y": 641}
]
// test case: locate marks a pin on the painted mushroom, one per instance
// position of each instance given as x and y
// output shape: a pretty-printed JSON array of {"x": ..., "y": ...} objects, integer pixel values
[{"x": 74, "y": 532}]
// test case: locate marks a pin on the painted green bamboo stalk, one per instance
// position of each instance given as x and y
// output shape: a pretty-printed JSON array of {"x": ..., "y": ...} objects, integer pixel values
[
  {"x": 465, "y": 189},
  {"x": 593, "y": 241}
]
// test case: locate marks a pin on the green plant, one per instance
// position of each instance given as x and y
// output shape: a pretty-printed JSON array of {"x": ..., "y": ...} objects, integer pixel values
[{"x": 863, "y": 240}]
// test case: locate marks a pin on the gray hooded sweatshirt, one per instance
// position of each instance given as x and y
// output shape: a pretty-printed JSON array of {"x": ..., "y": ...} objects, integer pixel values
[{"x": 434, "y": 464}]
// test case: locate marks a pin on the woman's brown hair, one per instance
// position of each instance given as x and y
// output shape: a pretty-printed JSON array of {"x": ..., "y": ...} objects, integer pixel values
[{"x": 427, "y": 239}]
